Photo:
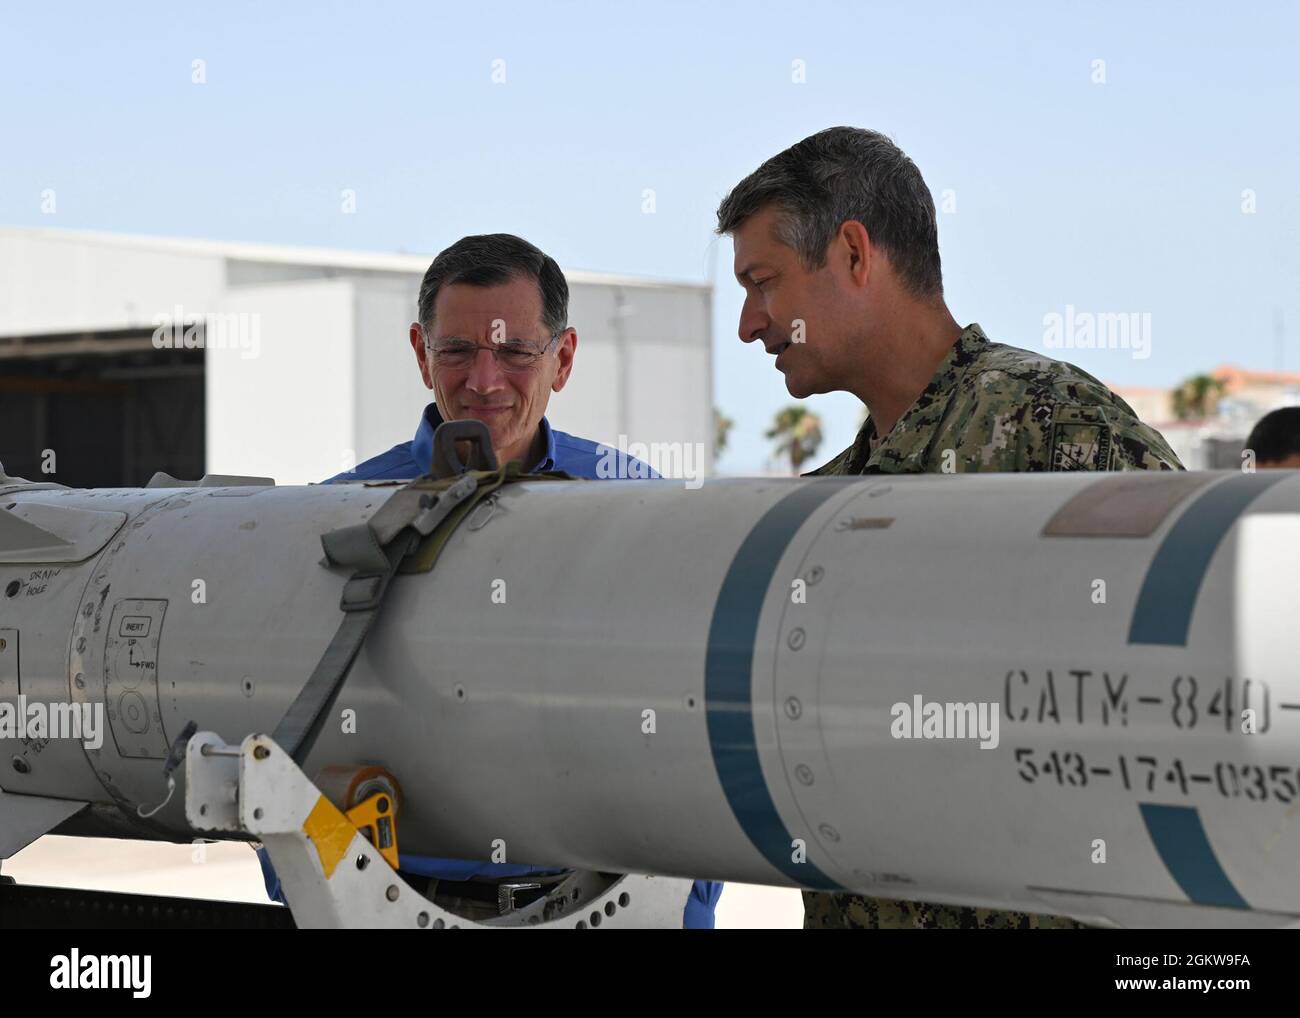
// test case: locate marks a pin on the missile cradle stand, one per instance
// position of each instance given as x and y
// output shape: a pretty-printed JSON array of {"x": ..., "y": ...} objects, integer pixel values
[
  {"x": 339, "y": 869},
  {"x": 336, "y": 877}
]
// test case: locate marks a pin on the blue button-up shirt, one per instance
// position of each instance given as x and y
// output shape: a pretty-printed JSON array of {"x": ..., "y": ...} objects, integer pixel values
[{"x": 578, "y": 457}]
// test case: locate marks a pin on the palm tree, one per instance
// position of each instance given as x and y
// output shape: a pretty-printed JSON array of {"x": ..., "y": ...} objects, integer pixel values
[
  {"x": 798, "y": 432},
  {"x": 1197, "y": 397},
  {"x": 721, "y": 428}
]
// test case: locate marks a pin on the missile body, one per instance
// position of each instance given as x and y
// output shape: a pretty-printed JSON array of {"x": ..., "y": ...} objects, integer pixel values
[{"x": 1071, "y": 693}]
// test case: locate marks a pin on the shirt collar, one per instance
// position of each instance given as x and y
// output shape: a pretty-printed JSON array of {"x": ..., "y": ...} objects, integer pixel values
[
  {"x": 422, "y": 445},
  {"x": 943, "y": 385}
]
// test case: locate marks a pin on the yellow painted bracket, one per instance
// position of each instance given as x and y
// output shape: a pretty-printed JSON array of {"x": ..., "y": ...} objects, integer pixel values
[
  {"x": 331, "y": 833},
  {"x": 375, "y": 820}
]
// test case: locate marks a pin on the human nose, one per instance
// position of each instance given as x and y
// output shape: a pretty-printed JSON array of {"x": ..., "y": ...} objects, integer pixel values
[
  {"x": 753, "y": 320},
  {"x": 485, "y": 374}
]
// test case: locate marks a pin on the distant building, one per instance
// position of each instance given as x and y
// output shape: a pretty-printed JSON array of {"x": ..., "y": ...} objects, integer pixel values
[
  {"x": 126, "y": 355},
  {"x": 1215, "y": 441}
]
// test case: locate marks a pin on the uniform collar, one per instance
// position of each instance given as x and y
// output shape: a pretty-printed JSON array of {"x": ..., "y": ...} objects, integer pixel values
[
  {"x": 422, "y": 445},
  {"x": 908, "y": 441}
]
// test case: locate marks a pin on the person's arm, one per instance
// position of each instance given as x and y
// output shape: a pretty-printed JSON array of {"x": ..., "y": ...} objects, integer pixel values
[{"x": 1013, "y": 430}]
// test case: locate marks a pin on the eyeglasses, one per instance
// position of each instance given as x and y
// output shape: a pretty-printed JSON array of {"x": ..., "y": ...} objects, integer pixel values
[{"x": 513, "y": 355}]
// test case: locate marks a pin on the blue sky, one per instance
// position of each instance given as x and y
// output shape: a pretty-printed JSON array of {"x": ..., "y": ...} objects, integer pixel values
[{"x": 1121, "y": 196}]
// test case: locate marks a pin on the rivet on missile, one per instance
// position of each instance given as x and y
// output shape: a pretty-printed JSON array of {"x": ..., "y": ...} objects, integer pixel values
[
  {"x": 828, "y": 832},
  {"x": 690, "y": 701},
  {"x": 814, "y": 575},
  {"x": 804, "y": 773},
  {"x": 22, "y": 766},
  {"x": 796, "y": 638},
  {"x": 363, "y": 861},
  {"x": 392, "y": 892},
  {"x": 422, "y": 920},
  {"x": 793, "y": 708},
  {"x": 260, "y": 752},
  {"x": 460, "y": 693},
  {"x": 248, "y": 685},
  {"x": 13, "y": 588}
]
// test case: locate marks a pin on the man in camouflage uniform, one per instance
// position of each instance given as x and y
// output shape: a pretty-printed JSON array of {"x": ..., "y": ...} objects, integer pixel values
[
  {"x": 837, "y": 250},
  {"x": 998, "y": 408}
]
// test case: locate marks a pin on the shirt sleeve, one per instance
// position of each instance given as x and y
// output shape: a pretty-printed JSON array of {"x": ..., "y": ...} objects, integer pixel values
[
  {"x": 1091, "y": 436},
  {"x": 1070, "y": 436},
  {"x": 1045, "y": 432}
]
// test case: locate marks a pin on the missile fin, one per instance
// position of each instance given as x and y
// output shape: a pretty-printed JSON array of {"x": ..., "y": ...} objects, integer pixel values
[
  {"x": 17, "y": 536},
  {"x": 24, "y": 818},
  {"x": 40, "y": 532}
]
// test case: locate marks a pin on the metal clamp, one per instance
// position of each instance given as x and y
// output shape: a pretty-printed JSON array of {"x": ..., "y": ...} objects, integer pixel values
[{"x": 446, "y": 458}]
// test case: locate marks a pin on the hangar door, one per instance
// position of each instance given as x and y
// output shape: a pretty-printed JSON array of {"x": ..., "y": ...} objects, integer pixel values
[{"x": 100, "y": 409}]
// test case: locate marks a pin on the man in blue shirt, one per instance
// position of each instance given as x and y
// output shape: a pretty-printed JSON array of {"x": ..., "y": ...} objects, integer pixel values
[{"x": 498, "y": 295}]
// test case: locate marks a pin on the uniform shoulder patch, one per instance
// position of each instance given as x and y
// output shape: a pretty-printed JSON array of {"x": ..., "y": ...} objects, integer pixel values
[{"x": 1081, "y": 438}]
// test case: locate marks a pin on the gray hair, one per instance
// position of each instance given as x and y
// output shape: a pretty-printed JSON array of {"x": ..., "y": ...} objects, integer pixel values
[
  {"x": 839, "y": 174},
  {"x": 490, "y": 259}
]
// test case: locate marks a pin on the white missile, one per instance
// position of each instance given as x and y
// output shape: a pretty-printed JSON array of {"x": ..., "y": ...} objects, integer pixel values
[{"x": 1067, "y": 693}]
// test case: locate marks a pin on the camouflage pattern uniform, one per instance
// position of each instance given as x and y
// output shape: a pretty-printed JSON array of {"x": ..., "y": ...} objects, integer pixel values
[{"x": 994, "y": 408}]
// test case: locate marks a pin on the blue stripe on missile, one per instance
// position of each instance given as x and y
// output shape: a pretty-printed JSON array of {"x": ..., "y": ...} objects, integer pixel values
[
  {"x": 1184, "y": 848},
  {"x": 1162, "y": 617},
  {"x": 728, "y": 681},
  {"x": 1163, "y": 612}
]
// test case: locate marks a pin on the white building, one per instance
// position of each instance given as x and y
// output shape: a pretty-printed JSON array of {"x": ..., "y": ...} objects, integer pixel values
[
  {"x": 1215, "y": 441},
  {"x": 305, "y": 366}
]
